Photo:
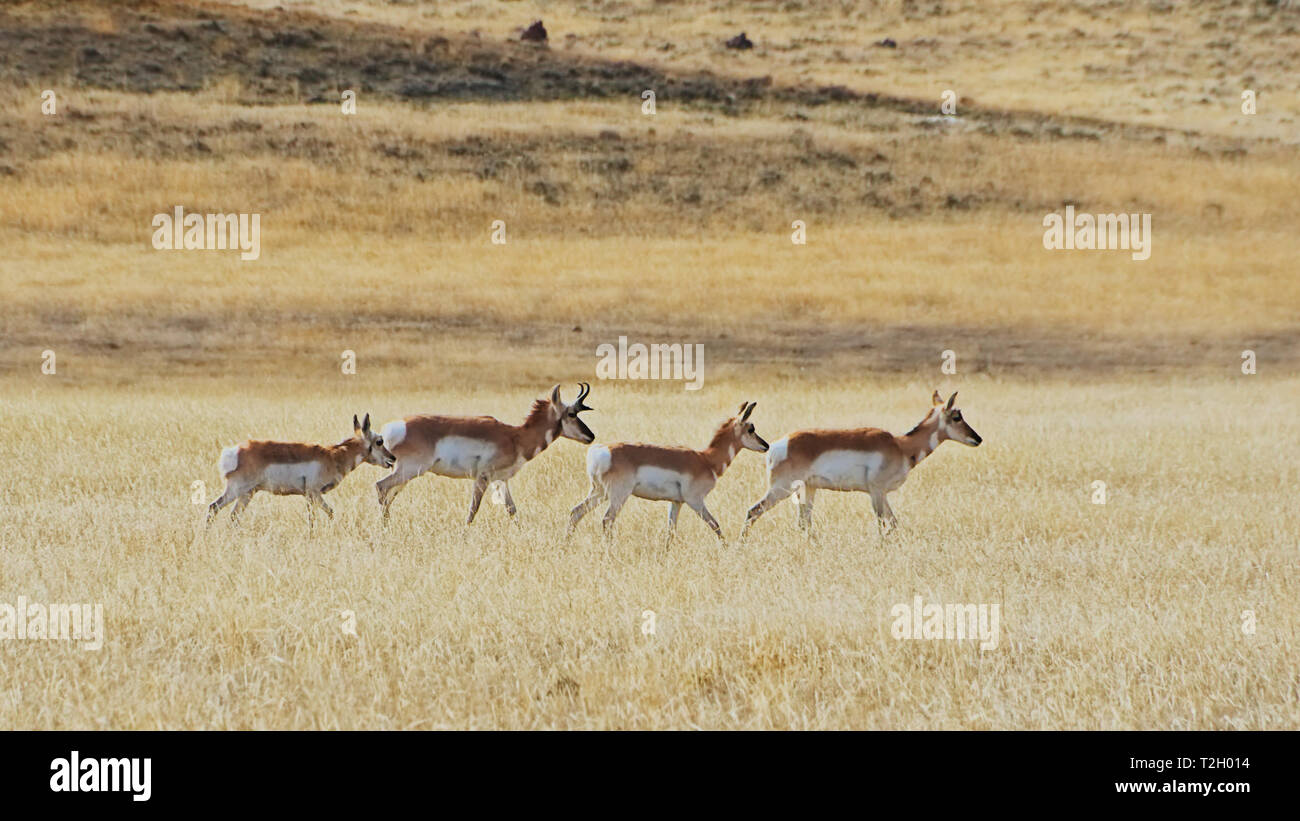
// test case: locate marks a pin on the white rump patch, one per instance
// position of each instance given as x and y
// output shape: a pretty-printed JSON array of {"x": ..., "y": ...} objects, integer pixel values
[
  {"x": 776, "y": 453},
  {"x": 598, "y": 460},
  {"x": 800, "y": 495},
  {"x": 394, "y": 433},
  {"x": 498, "y": 493},
  {"x": 229, "y": 460}
]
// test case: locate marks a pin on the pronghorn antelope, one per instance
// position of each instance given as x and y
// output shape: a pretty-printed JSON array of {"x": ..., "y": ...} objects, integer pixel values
[
  {"x": 295, "y": 468},
  {"x": 668, "y": 474},
  {"x": 479, "y": 448},
  {"x": 866, "y": 459}
]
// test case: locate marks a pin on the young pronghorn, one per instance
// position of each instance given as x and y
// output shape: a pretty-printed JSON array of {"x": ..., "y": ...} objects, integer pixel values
[
  {"x": 479, "y": 448},
  {"x": 866, "y": 459},
  {"x": 676, "y": 475},
  {"x": 295, "y": 468}
]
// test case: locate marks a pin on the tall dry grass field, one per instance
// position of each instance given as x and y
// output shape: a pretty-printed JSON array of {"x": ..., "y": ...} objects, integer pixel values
[
  {"x": 1171, "y": 601},
  {"x": 1117, "y": 616}
]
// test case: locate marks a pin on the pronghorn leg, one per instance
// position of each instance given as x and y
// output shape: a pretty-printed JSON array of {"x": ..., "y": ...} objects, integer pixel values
[
  {"x": 884, "y": 516},
  {"x": 890, "y": 519},
  {"x": 388, "y": 486},
  {"x": 586, "y": 505},
  {"x": 476, "y": 497},
  {"x": 508, "y": 499},
  {"x": 699, "y": 508},
  {"x": 317, "y": 499},
  {"x": 672, "y": 520},
  {"x": 775, "y": 494},
  {"x": 227, "y": 496},
  {"x": 806, "y": 509},
  {"x": 617, "y": 498},
  {"x": 238, "y": 509}
]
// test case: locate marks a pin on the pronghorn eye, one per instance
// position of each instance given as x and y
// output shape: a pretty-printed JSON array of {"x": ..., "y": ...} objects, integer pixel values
[{"x": 379, "y": 442}]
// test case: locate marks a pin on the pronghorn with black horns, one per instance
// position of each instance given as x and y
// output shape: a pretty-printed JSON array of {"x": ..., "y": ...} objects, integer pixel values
[
  {"x": 479, "y": 448},
  {"x": 295, "y": 468},
  {"x": 668, "y": 474},
  {"x": 866, "y": 459}
]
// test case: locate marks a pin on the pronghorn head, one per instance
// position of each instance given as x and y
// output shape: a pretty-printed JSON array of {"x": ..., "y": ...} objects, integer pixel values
[
  {"x": 372, "y": 444},
  {"x": 744, "y": 429},
  {"x": 951, "y": 424},
  {"x": 566, "y": 416}
]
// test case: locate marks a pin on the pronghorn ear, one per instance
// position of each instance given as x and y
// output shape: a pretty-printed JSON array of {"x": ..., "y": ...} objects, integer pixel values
[
  {"x": 748, "y": 409},
  {"x": 555, "y": 395},
  {"x": 936, "y": 399},
  {"x": 951, "y": 399},
  {"x": 355, "y": 424},
  {"x": 743, "y": 405},
  {"x": 365, "y": 426}
]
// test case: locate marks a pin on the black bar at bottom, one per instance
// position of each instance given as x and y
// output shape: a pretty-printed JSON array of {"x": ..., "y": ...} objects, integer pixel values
[{"x": 341, "y": 771}]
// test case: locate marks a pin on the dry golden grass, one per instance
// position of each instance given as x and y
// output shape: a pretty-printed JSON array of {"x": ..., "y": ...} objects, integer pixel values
[{"x": 1127, "y": 615}]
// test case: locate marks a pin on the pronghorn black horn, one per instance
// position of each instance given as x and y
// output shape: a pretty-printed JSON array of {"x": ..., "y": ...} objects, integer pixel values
[{"x": 584, "y": 389}]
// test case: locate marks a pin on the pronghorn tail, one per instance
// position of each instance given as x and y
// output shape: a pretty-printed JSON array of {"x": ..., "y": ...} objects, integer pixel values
[
  {"x": 229, "y": 460},
  {"x": 394, "y": 433},
  {"x": 776, "y": 454},
  {"x": 800, "y": 494},
  {"x": 598, "y": 461}
]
